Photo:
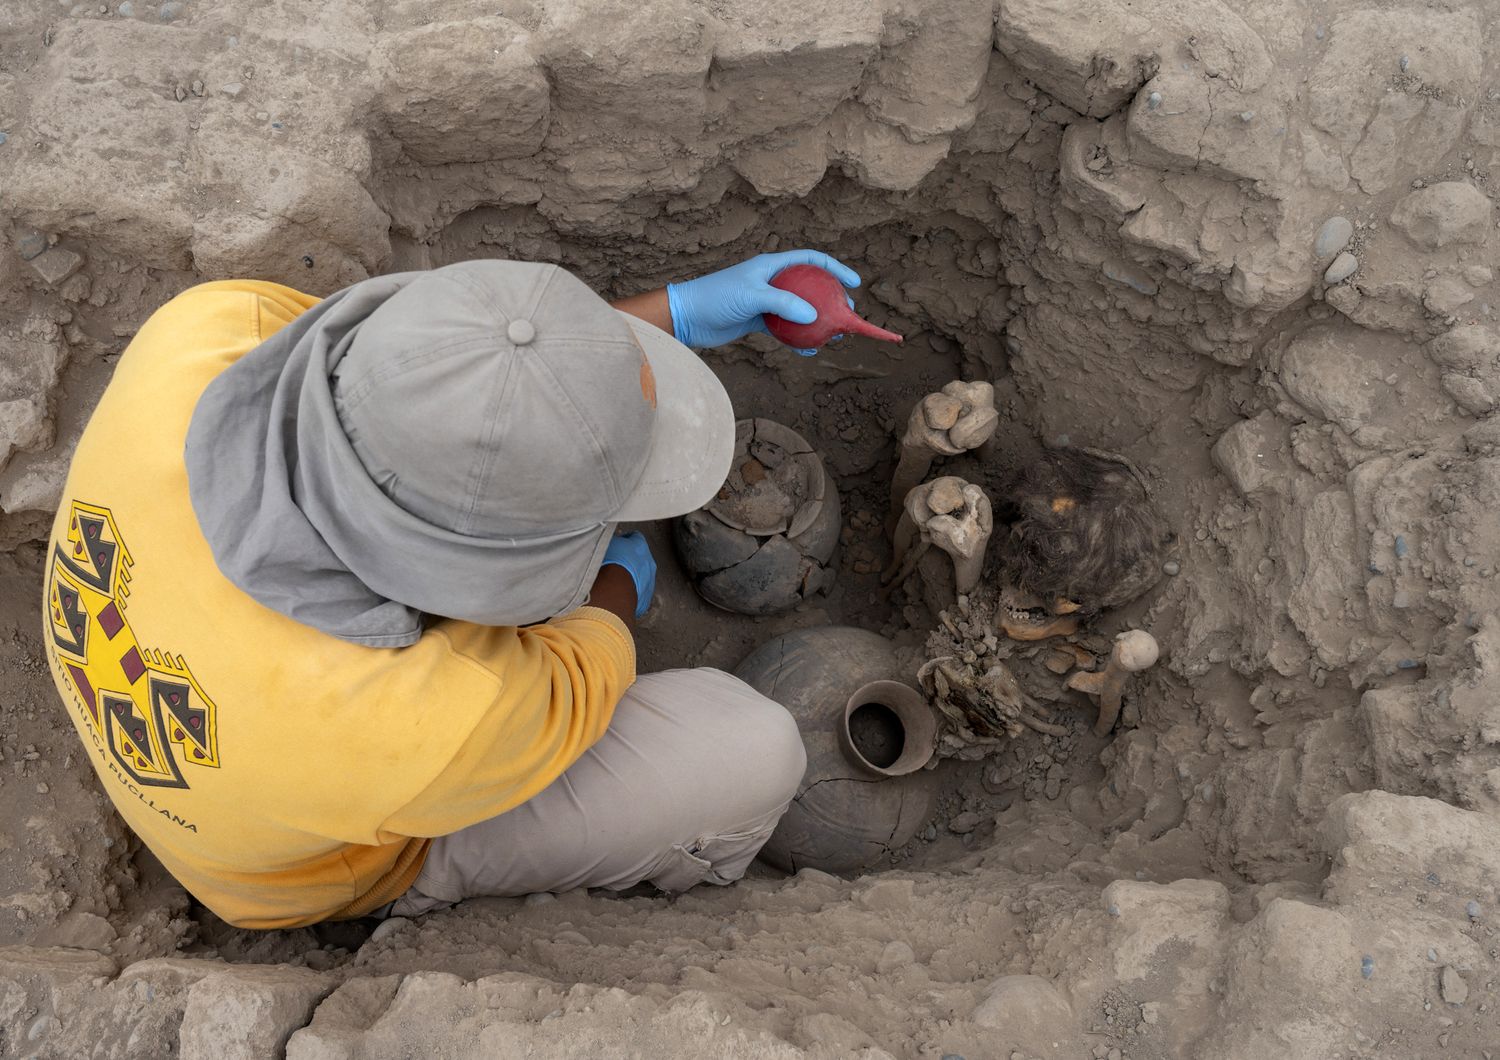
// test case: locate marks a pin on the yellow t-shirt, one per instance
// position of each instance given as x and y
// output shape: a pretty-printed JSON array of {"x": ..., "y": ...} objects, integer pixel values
[{"x": 282, "y": 775}]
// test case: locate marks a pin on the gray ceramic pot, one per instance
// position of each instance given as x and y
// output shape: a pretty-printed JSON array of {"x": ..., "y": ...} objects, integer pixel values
[
  {"x": 766, "y": 542},
  {"x": 868, "y": 735}
]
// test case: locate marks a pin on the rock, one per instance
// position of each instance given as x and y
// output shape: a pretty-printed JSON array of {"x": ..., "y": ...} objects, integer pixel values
[
  {"x": 1447, "y": 296},
  {"x": 1343, "y": 267},
  {"x": 1470, "y": 359},
  {"x": 467, "y": 91},
  {"x": 386, "y": 928},
  {"x": 30, "y": 243},
  {"x": 1454, "y": 989},
  {"x": 85, "y": 931},
  {"x": 1338, "y": 372},
  {"x": 169, "y": 10},
  {"x": 1251, "y": 452},
  {"x": 39, "y": 487},
  {"x": 1450, "y": 212},
  {"x": 1471, "y": 909},
  {"x": 1171, "y": 568},
  {"x": 23, "y": 425},
  {"x": 1131, "y": 275},
  {"x": 896, "y": 954},
  {"x": 245, "y": 1012},
  {"x": 1151, "y": 1013},
  {"x": 964, "y": 823},
  {"x": 232, "y": 89},
  {"x": 56, "y": 265},
  {"x": 1029, "y": 1009},
  {"x": 1333, "y": 237}
]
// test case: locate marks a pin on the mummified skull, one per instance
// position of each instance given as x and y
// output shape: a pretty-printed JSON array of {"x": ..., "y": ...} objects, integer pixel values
[{"x": 1084, "y": 535}]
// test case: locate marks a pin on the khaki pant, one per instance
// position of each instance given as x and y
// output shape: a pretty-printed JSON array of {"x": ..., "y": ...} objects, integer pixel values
[{"x": 684, "y": 788}]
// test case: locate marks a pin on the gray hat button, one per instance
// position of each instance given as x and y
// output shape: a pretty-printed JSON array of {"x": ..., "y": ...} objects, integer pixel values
[{"x": 520, "y": 332}]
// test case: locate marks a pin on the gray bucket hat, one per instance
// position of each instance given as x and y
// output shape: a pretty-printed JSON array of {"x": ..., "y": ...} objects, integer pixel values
[{"x": 459, "y": 442}]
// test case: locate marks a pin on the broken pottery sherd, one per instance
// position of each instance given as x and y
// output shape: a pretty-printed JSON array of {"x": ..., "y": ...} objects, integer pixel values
[{"x": 765, "y": 543}]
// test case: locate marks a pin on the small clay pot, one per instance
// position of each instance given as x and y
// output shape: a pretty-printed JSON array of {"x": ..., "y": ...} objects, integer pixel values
[
  {"x": 868, "y": 735},
  {"x": 888, "y": 729}
]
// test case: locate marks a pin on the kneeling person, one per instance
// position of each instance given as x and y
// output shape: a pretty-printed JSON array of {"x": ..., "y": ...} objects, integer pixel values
[{"x": 336, "y": 602}]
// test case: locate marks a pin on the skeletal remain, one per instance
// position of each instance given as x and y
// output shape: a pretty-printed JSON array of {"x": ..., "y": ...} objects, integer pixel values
[
  {"x": 1018, "y": 619},
  {"x": 952, "y": 514},
  {"x": 954, "y": 420},
  {"x": 1134, "y": 650},
  {"x": 982, "y": 708}
]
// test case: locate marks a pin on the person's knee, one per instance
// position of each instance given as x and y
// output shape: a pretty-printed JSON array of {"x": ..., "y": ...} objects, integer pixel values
[
  {"x": 737, "y": 752},
  {"x": 773, "y": 742}
]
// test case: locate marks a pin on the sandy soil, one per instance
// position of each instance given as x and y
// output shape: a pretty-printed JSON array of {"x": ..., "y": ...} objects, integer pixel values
[{"x": 1125, "y": 216}]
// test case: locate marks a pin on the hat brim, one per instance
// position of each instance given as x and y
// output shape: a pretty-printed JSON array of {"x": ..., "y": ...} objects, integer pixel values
[{"x": 692, "y": 440}]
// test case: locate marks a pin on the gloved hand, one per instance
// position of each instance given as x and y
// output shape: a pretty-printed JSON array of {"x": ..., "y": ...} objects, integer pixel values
[
  {"x": 631, "y": 552},
  {"x": 729, "y": 304}
]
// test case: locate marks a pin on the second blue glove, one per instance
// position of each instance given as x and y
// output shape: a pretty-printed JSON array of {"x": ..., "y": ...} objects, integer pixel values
[{"x": 631, "y": 552}]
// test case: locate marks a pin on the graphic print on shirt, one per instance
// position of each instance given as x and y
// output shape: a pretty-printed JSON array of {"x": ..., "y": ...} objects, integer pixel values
[{"x": 144, "y": 705}]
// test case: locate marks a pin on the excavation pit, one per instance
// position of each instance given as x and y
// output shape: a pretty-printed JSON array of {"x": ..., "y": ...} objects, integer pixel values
[{"x": 1117, "y": 215}]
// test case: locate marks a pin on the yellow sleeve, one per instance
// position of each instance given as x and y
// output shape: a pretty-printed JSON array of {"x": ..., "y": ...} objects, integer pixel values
[{"x": 558, "y": 686}]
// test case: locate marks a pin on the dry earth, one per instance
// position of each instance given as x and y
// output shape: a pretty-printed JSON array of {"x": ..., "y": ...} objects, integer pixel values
[{"x": 1121, "y": 213}]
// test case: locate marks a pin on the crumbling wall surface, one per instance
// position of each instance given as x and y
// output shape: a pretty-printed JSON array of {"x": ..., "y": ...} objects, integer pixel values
[
  {"x": 1394, "y": 955},
  {"x": 1250, "y": 245}
]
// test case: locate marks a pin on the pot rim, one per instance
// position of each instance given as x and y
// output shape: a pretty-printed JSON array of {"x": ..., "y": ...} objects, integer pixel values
[{"x": 918, "y": 725}]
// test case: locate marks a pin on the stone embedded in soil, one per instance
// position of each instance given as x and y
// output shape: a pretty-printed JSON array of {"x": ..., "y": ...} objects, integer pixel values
[
  {"x": 24, "y": 425},
  {"x": 1454, "y": 989},
  {"x": 964, "y": 823},
  {"x": 388, "y": 927},
  {"x": 1028, "y": 1009},
  {"x": 441, "y": 113},
  {"x": 1446, "y": 296},
  {"x": 56, "y": 264},
  {"x": 1250, "y": 453},
  {"x": 247, "y": 1012},
  {"x": 1343, "y": 267},
  {"x": 29, "y": 243},
  {"x": 1450, "y": 212},
  {"x": 1333, "y": 237}
]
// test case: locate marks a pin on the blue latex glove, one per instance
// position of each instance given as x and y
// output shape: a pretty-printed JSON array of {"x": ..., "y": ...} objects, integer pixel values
[
  {"x": 631, "y": 552},
  {"x": 729, "y": 304}
]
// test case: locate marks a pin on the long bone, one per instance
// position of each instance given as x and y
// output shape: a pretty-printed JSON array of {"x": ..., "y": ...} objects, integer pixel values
[
  {"x": 952, "y": 514},
  {"x": 1134, "y": 650},
  {"x": 954, "y": 420}
]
